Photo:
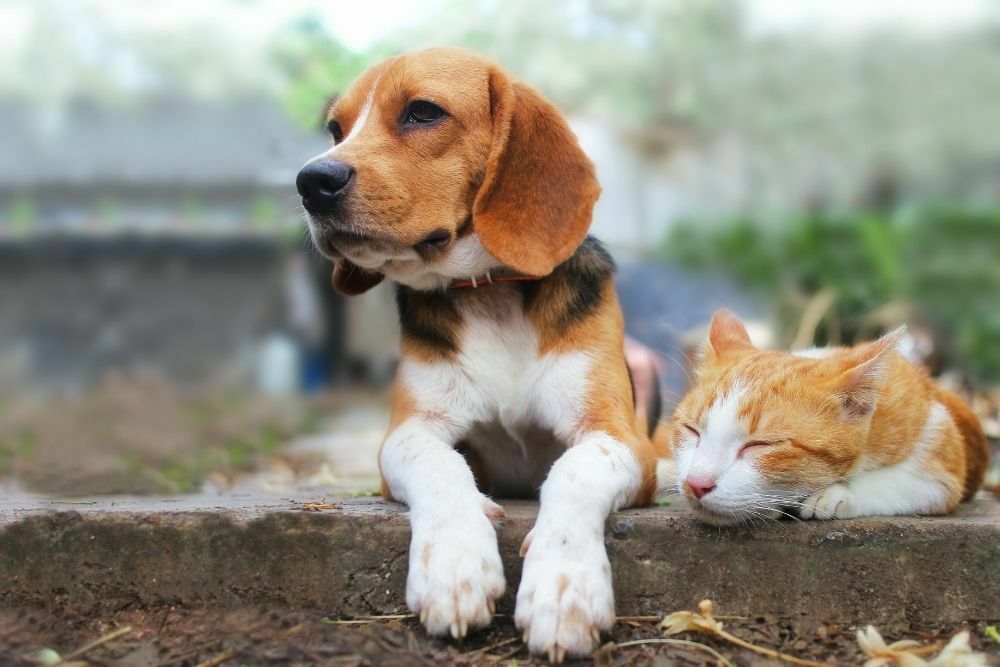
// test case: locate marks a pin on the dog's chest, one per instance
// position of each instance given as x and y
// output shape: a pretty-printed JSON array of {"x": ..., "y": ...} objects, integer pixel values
[{"x": 500, "y": 390}]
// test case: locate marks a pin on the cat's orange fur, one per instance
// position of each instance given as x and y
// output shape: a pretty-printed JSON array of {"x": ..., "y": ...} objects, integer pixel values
[{"x": 831, "y": 433}]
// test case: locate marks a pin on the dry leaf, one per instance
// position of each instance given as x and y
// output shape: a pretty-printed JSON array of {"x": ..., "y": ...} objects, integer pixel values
[
  {"x": 689, "y": 621},
  {"x": 314, "y": 506},
  {"x": 957, "y": 653}
]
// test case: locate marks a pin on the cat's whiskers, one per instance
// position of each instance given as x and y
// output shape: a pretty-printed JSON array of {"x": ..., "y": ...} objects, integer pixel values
[
  {"x": 750, "y": 514},
  {"x": 772, "y": 508},
  {"x": 776, "y": 502},
  {"x": 684, "y": 365},
  {"x": 762, "y": 514}
]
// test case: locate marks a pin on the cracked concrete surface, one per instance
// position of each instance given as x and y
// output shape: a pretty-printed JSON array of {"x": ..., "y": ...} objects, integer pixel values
[{"x": 350, "y": 559}]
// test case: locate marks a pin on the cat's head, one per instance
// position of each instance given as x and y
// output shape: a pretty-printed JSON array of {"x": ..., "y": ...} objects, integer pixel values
[{"x": 761, "y": 430}]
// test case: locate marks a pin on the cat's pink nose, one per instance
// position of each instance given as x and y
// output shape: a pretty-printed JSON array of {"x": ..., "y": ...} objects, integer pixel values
[{"x": 699, "y": 485}]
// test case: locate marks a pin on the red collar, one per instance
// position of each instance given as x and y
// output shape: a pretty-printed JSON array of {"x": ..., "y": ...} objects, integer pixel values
[{"x": 486, "y": 280}]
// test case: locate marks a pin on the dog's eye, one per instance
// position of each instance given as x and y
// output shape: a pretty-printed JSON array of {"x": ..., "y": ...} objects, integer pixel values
[
  {"x": 333, "y": 127},
  {"x": 421, "y": 112}
]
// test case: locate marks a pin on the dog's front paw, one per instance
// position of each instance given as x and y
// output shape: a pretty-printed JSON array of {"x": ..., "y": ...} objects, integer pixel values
[
  {"x": 455, "y": 575},
  {"x": 833, "y": 502},
  {"x": 565, "y": 599}
]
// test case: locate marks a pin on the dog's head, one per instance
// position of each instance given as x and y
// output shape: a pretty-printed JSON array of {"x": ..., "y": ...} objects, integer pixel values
[{"x": 445, "y": 167}]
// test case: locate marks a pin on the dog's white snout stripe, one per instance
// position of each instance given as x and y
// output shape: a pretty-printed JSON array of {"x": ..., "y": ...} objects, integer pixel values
[
  {"x": 359, "y": 125},
  {"x": 362, "y": 120}
]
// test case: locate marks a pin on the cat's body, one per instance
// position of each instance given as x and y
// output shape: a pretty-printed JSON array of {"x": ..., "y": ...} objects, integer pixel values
[{"x": 828, "y": 433}]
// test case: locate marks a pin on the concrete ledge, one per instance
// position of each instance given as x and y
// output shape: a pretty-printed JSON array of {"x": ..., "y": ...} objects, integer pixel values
[{"x": 351, "y": 559}]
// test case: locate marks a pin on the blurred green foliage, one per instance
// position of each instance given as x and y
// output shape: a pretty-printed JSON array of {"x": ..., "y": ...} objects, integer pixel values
[
  {"x": 142, "y": 433},
  {"x": 815, "y": 112},
  {"x": 315, "y": 67},
  {"x": 22, "y": 215},
  {"x": 938, "y": 266}
]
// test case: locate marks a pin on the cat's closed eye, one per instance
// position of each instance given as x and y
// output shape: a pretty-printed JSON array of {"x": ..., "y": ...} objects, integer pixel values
[
  {"x": 693, "y": 431},
  {"x": 754, "y": 445}
]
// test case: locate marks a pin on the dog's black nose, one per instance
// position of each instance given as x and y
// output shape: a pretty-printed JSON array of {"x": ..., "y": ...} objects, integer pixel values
[{"x": 322, "y": 184}]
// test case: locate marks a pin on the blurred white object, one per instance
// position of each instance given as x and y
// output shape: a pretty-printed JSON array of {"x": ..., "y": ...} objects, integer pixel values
[
  {"x": 305, "y": 313},
  {"x": 278, "y": 366}
]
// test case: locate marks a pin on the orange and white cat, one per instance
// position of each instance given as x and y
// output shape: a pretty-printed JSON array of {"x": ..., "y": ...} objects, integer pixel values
[{"x": 826, "y": 433}]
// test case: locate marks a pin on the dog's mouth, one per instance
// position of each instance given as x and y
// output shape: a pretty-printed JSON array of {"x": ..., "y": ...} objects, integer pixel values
[
  {"x": 366, "y": 252},
  {"x": 327, "y": 247},
  {"x": 339, "y": 240},
  {"x": 434, "y": 244}
]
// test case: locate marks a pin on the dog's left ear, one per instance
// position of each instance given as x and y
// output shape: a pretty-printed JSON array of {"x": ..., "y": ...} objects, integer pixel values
[
  {"x": 534, "y": 206},
  {"x": 351, "y": 280}
]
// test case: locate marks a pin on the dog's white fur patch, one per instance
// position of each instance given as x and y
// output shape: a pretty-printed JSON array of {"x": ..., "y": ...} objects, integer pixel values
[
  {"x": 499, "y": 396},
  {"x": 465, "y": 259},
  {"x": 455, "y": 573},
  {"x": 361, "y": 121},
  {"x": 566, "y": 599},
  {"x": 356, "y": 129}
]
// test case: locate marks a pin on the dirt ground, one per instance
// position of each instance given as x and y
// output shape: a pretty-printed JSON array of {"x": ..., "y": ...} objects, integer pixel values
[{"x": 270, "y": 636}]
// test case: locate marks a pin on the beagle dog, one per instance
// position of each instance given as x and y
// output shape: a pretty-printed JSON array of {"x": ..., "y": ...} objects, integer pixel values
[{"x": 469, "y": 191}]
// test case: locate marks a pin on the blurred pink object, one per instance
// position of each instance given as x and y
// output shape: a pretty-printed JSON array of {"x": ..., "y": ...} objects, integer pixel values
[{"x": 647, "y": 370}]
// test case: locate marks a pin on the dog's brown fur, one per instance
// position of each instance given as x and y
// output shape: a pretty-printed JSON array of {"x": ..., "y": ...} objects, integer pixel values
[{"x": 502, "y": 166}]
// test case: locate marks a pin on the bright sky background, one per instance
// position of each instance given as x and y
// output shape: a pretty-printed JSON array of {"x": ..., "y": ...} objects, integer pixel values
[
  {"x": 359, "y": 23},
  {"x": 851, "y": 17}
]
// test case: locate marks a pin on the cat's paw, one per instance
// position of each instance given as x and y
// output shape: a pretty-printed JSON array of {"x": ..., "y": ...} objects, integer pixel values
[
  {"x": 666, "y": 477},
  {"x": 455, "y": 575},
  {"x": 565, "y": 599},
  {"x": 833, "y": 502}
]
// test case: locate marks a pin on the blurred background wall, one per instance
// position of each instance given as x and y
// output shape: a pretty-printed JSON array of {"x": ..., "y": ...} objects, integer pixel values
[{"x": 826, "y": 169}]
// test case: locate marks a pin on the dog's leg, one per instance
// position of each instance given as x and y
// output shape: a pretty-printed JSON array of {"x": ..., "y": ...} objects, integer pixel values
[
  {"x": 455, "y": 574},
  {"x": 565, "y": 598}
]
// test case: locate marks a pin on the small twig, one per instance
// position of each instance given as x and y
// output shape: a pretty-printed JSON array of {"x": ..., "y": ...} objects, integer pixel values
[
  {"x": 811, "y": 318},
  {"x": 487, "y": 649},
  {"x": 163, "y": 623},
  {"x": 367, "y": 619},
  {"x": 217, "y": 660},
  {"x": 175, "y": 658},
  {"x": 648, "y": 619},
  {"x": 704, "y": 620},
  {"x": 298, "y": 627},
  {"x": 94, "y": 644},
  {"x": 680, "y": 642},
  {"x": 375, "y": 619},
  {"x": 768, "y": 652},
  {"x": 509, "y": 654}
]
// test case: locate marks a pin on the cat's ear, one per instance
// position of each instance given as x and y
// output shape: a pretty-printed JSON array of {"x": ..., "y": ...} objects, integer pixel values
[
  {"x": 727, "y": 338},
  {"x": 860, "y": 374}
]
